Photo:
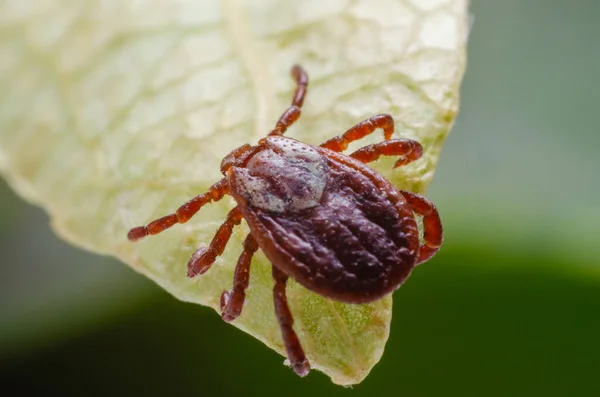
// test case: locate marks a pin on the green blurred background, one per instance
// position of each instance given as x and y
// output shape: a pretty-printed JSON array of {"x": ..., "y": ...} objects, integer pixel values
[{"x": 510, "y": 306}]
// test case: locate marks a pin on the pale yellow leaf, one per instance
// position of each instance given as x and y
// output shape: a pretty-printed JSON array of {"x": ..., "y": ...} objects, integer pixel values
[{"x": 113, "y": 113}]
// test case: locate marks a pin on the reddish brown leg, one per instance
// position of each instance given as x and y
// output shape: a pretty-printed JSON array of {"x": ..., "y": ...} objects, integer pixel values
[
  {"x": 433, "y": 234},
  {"x": 183, "y": 213},
  {"x": 293, "y": 348},
  {"x": 361, "y": 130},
  {"x": 407, "y": 148},
  {"x": 293, "y": 112},
  {"x": 233, "y": 301},
  {"x": 202, "y": 259}
]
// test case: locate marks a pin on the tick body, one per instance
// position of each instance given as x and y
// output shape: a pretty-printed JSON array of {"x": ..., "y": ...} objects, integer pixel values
[{"x": 323, "y": 218}]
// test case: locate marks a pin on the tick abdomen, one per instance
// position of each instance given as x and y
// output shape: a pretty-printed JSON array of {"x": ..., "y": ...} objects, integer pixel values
[{"x": 350, "y": 241}]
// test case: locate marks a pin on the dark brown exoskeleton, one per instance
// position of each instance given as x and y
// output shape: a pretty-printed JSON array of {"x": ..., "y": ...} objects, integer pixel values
[{"x": 323, "y": 218}]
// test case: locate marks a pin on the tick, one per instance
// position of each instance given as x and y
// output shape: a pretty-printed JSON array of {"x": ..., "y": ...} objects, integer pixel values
[{"x": 323, "y": 218}]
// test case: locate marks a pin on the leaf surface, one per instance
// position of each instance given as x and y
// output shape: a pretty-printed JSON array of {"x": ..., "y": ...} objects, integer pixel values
[{"x": 114, "y": 113}]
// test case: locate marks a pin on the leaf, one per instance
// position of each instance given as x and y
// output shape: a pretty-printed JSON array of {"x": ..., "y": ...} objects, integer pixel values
[{"x": 114, "y": 113}]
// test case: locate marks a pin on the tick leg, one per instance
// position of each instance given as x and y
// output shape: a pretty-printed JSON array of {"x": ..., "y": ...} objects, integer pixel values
[
  {"x": 202, "y": 259},
  {"x": 233, "y": 301},
  {"x": 183, "y": 213},
  {"x": 293, "y": 348},
  {"x": 293, "y": 112},
  {"x": 433, "y": 234},
  {"x": 361, "y": 130},
  {"x": 407, "y": 148}
]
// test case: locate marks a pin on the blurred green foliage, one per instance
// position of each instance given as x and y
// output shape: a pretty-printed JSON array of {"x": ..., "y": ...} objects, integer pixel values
[{"x": 508, "y": 307}]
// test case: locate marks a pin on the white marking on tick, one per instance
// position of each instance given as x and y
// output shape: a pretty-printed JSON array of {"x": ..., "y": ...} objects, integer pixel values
[{"x": 287, "y": 176}]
